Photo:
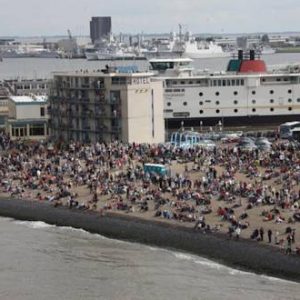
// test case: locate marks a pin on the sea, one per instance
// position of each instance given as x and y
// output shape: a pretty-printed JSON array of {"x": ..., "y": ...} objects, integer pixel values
[
  {"x": 41, "y": 261},
  {"x": 45, "y": 262},
  {"x": 32, "y": 68}
]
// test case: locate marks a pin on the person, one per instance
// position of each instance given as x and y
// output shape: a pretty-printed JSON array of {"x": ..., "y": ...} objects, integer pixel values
[
  {"x": 270, "y": 236},
  {"x": 261, "y": 233},
  {"x": 238, "y": 232},
  {"x": 289, "y": 245}
]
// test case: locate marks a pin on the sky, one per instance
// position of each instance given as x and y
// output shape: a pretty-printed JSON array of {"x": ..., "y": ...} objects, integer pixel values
[{"x": 54, "y": 17}]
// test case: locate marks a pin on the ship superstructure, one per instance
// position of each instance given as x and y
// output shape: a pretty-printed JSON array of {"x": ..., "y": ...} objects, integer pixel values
[{"x": 246, "y": 93}]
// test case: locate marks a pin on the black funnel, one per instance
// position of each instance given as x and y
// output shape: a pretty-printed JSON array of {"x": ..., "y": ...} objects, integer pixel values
[{"x": 240, "y": 55}]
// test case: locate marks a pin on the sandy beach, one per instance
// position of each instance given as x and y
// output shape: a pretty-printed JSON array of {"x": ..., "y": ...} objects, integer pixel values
[{"x": 246, "y": 200}]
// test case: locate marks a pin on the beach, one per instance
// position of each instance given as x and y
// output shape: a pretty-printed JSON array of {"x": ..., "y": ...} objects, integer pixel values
[{"x": 219, "y": 203}]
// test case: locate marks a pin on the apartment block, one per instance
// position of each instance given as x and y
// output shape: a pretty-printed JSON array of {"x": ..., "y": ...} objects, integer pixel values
[{"x": 108, "y": 105}]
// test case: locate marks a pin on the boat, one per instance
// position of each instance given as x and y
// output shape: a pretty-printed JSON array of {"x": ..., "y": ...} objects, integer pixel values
[
  {"x": 91, "y": 53},
  {"x": 245, "y": 94},
  {"x": 185, "y": 46},
  {"x": 266, "y": 50}
]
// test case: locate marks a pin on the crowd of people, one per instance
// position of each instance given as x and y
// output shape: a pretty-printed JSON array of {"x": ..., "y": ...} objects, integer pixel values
[{"x": 243, "y": 193}]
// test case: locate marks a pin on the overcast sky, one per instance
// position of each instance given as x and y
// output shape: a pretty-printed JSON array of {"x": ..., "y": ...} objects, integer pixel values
[{"x": 51, "y": 17}]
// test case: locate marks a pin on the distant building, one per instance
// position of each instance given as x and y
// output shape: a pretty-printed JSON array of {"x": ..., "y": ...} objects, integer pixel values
[
  {"x": 27, "y": 87},
  {"x": 100, "y": 27},
  {"x": 104, "y": 107},
  {"x": 28, "y": 117}
]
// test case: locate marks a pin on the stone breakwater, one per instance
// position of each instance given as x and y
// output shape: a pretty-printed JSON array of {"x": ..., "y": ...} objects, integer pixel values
[{"x": 242, "y": 254}]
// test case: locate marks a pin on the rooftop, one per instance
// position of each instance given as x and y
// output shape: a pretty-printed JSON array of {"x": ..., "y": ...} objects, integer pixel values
[{"x": 29, "y": 99}]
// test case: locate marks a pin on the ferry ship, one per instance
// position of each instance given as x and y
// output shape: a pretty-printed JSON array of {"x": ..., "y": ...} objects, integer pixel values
[{"x": 243, "y": 95}]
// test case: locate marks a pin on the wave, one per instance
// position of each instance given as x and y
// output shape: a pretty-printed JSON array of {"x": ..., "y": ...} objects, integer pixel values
[
  {"x": 34, "y": 224},
  {"x": 231, "y": 271}
]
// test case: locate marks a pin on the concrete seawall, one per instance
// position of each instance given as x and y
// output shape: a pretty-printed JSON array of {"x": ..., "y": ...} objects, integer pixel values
[{"x": 243, "y": 254}]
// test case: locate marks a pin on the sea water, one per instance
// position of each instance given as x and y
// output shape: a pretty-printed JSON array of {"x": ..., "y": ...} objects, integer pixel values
[{"x": 41, "y": 261}]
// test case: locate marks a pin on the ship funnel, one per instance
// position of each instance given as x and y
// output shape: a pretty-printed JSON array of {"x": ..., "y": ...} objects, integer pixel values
[{"x": 240, "y": 55}]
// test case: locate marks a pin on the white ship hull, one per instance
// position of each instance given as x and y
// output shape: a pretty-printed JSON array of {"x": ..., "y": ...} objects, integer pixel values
[{"x": 202, "y": 54}]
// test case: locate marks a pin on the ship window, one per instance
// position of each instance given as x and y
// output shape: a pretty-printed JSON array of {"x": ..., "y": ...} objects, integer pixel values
[
  {"x": 200, "y": 94},
  {"x": 168, "y": 90},
  {"x": 182, "y": 82},
  {"x": 253, "y": 92},
  {"x": 253, "y": 110},
  {"x": 263, "y": 80},
  {"x": 191, "y": 82},
  {"x": 215, "y": 82},
  {"x": 236, "y": 110},
  {"x": 235, "y": 93},
  {"x": 217, "y": 93},
  {"x": 200, "y": 103},
  {"x": 182, "y": 90},
  {"x": 217, "y": 111},
  {"x": 217, "y": 102},
  {"x": 278, "y": 79},
  {"x": 219, "y": 82},
  {"x": 237, "y": 82},
  {"x": 174, "y": 82},
  {"x": 271, "y": 92},
  {"x": 224, "y": 83},
  {"x": 253, "y": 101},
  {"x": 235, "y": 102},
  {"x": 228, "y": 82},
  {"x": 169, "y": 104},
  {"x": 290, "y": 100},
  {"x": 298, "y": 100},
  {"x": 271, "y": 100},
  {"x": 242, "y": 81},
  {"x": 201, "y": 111},
  {"x": 233, "y": 82},
  {"x": 289, "y": 91},
  {"x": 290, "y": 108},
  {"x": 285, "y": 79},
  {"x": 185, "y": 103},
  {"x": 271, "y": 109}
]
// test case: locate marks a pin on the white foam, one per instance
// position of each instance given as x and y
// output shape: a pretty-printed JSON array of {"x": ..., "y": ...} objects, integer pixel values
[{"x": 34, "y": 224}]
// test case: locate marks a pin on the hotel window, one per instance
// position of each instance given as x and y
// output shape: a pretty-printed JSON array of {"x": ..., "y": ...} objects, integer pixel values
[
  {"x": 235, "y": 93},
  {"x": 217, "y": 111}
]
